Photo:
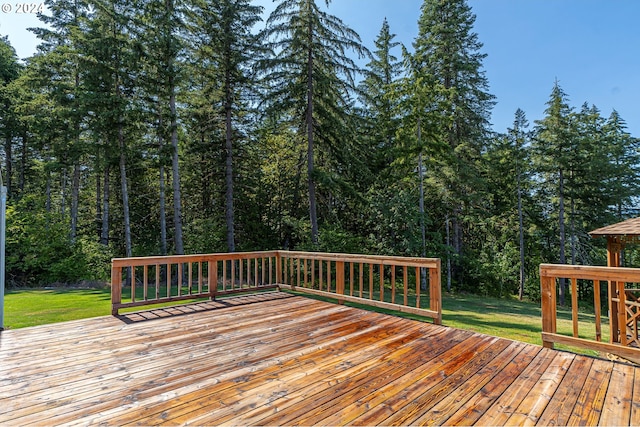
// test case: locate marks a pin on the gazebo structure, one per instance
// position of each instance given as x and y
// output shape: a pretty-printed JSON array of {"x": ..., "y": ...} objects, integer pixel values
[
  {"x": 624, "y": 302},
  {"x": 618, "y": 236}
]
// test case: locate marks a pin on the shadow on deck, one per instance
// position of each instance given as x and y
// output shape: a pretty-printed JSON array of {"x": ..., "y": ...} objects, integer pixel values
[{"x": 276, "y": 359}]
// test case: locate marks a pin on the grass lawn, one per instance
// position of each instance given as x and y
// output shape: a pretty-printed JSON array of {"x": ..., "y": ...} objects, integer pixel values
[{"x": 507, "y": 318}]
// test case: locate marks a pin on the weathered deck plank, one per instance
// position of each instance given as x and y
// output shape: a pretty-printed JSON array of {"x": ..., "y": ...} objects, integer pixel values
[{"x": 276, "y": 359}]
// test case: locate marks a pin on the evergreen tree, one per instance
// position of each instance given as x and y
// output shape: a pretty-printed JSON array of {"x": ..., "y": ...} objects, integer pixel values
[
  {"x": 508, "y": 170},
  {"x": 623, "y": 182},
  {"x": 555, "y": 146},
  {"x": 447, "y": 63},
  {"x": 223, "y": 31},
  {"x": 159, "y": 36},
  {"x": 60, "y": 46},
  {"x": 10, "y": 70},
  {"x": 311, "y": 78},
  {"x": 378, "y": 104}
]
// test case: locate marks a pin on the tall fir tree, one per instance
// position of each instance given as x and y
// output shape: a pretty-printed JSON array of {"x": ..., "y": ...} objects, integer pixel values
[
  {"x": 311, "y": 80},
  {"x": 555, "y": 146},
  {"x": 447, "y": 62},
  {"x": 10, "y": 70},
  {"x": 378, "y": 104},
  {"x": 224, "y": 32}
]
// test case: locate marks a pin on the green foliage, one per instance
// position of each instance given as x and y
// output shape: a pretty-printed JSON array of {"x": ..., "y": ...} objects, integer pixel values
[{"x": 39, "y": 252}]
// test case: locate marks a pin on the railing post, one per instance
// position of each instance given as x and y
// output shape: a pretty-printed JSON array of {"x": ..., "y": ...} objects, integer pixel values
[
  {"x": 279, "y": 268},
  {"x": 213, "y": 279},
  {"x": 548, "y": 296},
  {"x": 614, "y": 336},
  {"x": 435, "y": 291},
  {"x": 116, "y": 288},
  {"x": 339, "y": 280}
]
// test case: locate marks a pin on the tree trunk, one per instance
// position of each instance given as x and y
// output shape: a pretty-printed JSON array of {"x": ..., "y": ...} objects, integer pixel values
[
  {"x": 75, "y": 196},
  {"x": 163, "y": 212},
  {"x": 98, "y": 217},
  {"x": 563, "y": 259},
  {"x": 177, "y": 203},
  {"x": 521, "y": 231},
  {"x": 23, "y": 160},
  {"x": 8, "y": 150},
  {"x": 162, "y": 189},
  {"x": 48, "y": 190},
  {"x": 125, "y": 194},
  {"x": 312, "y": 187},
  {"x": 104, "y": 233},
  {"x": 63, "y": 190},
  {"x": 229, "y": 213}
]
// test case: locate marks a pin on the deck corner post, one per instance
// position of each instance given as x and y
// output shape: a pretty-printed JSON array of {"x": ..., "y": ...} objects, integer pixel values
[
  {"x": 116, "y": 288},
  {"x": 547, "y": 293},
  {"x": 435, "y": 291}
]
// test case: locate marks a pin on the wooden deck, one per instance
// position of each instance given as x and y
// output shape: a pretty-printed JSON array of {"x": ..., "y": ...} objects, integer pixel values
[{"x": 277, "y": 359}]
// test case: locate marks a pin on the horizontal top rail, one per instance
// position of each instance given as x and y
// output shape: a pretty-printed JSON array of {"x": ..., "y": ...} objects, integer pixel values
[
  {"x": 175, "y": 259},
  {"x": 378, "y": 259},
  {"x": 616, "y": 274}
]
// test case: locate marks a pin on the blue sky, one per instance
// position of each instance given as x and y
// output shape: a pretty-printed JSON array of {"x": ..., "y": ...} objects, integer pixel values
[{"x": 591, "y": 46}]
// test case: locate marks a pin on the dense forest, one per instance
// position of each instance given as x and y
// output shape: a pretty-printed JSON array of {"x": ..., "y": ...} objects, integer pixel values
[{"x": 145, "y": 127}]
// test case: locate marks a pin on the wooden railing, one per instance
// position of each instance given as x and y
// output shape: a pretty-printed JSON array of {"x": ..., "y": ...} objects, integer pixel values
[
  {"x": 409, "y": 285},
  {"x": 156, "y": 280},
  {"x": 617, "y": 285}
]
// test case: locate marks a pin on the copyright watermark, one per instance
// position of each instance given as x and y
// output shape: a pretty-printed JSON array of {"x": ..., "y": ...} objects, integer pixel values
[{"x": 21, "y": 8}]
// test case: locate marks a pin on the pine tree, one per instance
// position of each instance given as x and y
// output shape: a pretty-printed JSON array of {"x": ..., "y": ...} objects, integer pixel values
[
  {"x": 10, "y": 70},
  {"x": 623, "y": 154},
  {"x": 311, "y": 79},
  {"x": 378, "y": 104},
  {"x": 224, "y": 39},
  {"x": 160, "y": 40},
  {"x": 447, "y": 71},
  {"x": 60, "y": 45},
  {"x": 555, "y": 146}
]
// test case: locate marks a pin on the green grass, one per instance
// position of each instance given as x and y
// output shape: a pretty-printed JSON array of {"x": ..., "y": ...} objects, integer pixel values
[
  {"x": 506, "y": 318},
  {"x": 34, "y": 307}
]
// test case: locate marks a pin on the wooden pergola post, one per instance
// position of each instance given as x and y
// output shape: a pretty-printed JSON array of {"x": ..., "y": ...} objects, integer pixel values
[{"x": 614, "y": 248}]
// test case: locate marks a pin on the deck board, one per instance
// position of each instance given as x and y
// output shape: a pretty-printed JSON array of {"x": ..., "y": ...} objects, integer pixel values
[{"x": 276, "y": 359}]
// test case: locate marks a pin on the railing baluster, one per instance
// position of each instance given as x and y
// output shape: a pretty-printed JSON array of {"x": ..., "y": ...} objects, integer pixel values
[
  {"x": 370, "y": 281},
  {"x": 145, "y": 282},
  {"x": 351, "y": 278},
  {"x": 361, "y": 271},
  {"x": 418, "y": 284},
  {"x": 393, "y": 283},
  {"x": 405, "y": 274},
  {"x": 381, "y": 268},
  {"x": 574, "y": 305},
  {"x": 598, "y": 309},
  {"x": 132, "y": 283},
  {"x": 158, "y": 268}
]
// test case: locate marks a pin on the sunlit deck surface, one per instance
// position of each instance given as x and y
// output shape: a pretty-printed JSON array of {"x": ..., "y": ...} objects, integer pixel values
[{"x": 277, "y": 359}]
